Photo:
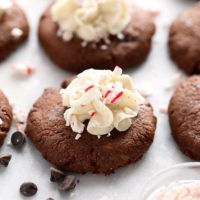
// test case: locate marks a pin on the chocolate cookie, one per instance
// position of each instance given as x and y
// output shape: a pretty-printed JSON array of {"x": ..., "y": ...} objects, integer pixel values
[
  {"x": 5, "y": 117},
  {"x": 14, "y": 29},
  {"x": 46, "y": 128},
  {"x": 130, "y": 51},
  {"x": 184, "y": 117},
  {"x": 184, "y": 40}
]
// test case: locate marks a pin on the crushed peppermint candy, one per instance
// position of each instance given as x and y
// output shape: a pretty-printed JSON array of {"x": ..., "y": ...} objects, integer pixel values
[
  {"x": 19, "y": 127},
  {"x": 104, "y": 47},
  {"x": 163, "y": 110},
  {"x": 1, "y": 121},
  {"x": 178, "y": 191},
  {"x": 84, "y": 43},
  {"x": 78, "y": 136},
  {"x": 16, "y": 33},
  {"x": 23, "y": 69},
  {"x": 155, "y": 13},
  {"x": 99, "y": 136},
  {"x": 173, "y": 81},
  {"x": 120, "y": 36},
  {"x": 198, "y": 86},
  {"x": 19, "y": 116},
  {"x": 108, "y": 135}
]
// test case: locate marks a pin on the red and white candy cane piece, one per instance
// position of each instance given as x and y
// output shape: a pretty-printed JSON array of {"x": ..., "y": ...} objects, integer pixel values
[
  {"x": 19, "y": 116},
  {"x": 163, "y": 110},
  {"x": 23, "y": 69},
  {"x": 155, "y": 13}
]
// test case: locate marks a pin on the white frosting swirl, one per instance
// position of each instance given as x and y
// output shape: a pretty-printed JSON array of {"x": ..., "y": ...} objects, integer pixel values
[
  {"x": 105, "y": 98},
  {"x": 4, "y": 4},
  {"x": 90, "y": 20}
]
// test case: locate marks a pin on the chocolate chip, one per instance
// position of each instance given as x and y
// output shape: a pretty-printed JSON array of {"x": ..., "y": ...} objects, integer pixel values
[
  {"x": 17, "y": 139},
  {"x": 56, "y": 175},
  {"x": 68, "y": 183},
  {"x": 28, "y": 189},
  {"x": 5, "y": 159}
]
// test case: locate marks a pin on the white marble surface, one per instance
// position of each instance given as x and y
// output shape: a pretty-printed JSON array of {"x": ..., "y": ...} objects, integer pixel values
[{"x": 28, "y": 165}]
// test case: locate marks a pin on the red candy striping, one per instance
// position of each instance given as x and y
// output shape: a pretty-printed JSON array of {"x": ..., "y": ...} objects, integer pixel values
[
  {"x": 29, "y": 70},
  {"x": 93, "y": 113},
  {"x": 117, "y": 97},
  {"x": 82, "y": 105},
  {"x": 88, "y": 88},
  {"x": 107, "y": 93}
]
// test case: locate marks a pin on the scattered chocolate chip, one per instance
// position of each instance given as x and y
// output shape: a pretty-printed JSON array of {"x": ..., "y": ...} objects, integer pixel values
[
  {"x": 5, "y": 159},
  {"x": 28, "y": 189},
  {"x": 68, "y": 183},
  {"x": 17, "y": 139},
  {"x": 56, "y": 175}
]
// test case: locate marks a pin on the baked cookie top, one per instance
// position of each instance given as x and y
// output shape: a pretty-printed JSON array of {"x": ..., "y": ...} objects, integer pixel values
[
  {"x": 184, "y": 116},
  {"x": 184, "y": 40}
]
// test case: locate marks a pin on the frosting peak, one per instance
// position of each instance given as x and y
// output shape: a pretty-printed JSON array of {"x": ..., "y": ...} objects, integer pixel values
[
  {"x": 90, "y": 20},
  {"x": 106, "y": 98}
]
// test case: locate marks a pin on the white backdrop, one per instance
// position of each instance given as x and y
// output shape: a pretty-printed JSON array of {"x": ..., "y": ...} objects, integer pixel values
[{"x": 28, "y": 165}]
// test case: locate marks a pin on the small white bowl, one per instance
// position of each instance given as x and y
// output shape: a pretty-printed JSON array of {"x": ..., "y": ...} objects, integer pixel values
[{"x": 177, "y": 173}]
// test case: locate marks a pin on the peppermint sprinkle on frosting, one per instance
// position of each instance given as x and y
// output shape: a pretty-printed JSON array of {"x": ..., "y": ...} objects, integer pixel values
[{"x": 105, "y": 98}]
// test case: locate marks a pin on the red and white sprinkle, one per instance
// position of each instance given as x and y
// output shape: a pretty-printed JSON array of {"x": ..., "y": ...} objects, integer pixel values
[{"x": 23, "y": 69}]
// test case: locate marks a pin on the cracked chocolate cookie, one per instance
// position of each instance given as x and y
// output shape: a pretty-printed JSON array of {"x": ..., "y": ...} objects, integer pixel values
[
  {"x": 46, "y": 128},
  {"x": 184, "y": 40},
  {"x": 14, "y": 28},
  {"x": 5, "y": 117},
  {"x": 184, "y": 117},
  {"x": 127, "y": 48}
]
